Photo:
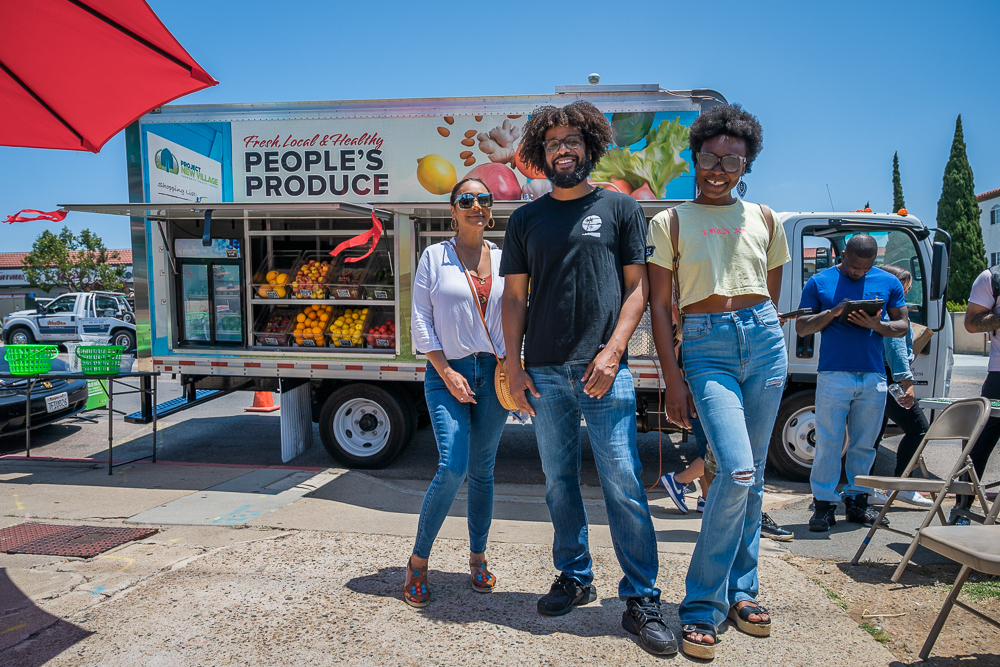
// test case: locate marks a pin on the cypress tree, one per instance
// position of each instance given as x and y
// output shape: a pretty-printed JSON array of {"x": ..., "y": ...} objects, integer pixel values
[
  {"x": 897, "y": 186},
  {"x": 958, "y": 214}
]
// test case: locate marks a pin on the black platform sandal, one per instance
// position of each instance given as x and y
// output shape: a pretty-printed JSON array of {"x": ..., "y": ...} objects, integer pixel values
[
  {"x": 699, "y": 649},
  {"x": 742, "y": 615}
]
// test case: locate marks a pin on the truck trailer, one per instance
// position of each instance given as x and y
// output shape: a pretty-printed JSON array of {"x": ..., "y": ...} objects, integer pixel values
[{"x": 274, "y": 247}]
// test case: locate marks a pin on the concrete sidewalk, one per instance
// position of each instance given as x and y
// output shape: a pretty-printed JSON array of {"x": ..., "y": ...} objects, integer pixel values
[{"x": 273, "y": 565}]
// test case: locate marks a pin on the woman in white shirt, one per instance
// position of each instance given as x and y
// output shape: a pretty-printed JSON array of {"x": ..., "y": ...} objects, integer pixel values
[{"x": 465, "y": 413}]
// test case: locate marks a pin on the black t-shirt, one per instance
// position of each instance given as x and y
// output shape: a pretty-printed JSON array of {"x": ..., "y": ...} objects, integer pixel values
[{"x": 573, "y": 252}]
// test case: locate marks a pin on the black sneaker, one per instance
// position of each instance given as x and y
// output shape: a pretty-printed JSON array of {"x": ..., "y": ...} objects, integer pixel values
[
  {"x": 642, "y": 618},
  {"x": 768, "y": 528},
  {"x": 859, "y": 511},
  {"x": 823, "y": 518},
  {"x": 565, "y": 594}
]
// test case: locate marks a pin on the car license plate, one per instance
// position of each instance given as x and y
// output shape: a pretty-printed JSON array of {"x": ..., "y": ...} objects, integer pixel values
[{"x": 57, "y": 402}]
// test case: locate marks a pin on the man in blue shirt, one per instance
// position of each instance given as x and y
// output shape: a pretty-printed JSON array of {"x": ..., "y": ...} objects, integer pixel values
[{"x": 851, "y": 382}]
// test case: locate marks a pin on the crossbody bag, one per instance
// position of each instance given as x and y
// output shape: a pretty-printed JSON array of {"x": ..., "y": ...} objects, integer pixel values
[{"x": 500, "y": 380}]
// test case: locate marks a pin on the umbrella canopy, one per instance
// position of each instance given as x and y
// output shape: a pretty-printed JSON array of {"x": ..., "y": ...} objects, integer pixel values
[{"x": 73, "y": 73}]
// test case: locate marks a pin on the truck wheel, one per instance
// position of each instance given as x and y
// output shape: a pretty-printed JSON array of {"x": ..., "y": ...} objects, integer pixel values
[
  {"x": 363, "y": 426},
  {"x": 409, "y": 408},
  {"x": 124, "y": 338},
  {"x": 793, "y": 440},
  {"x": 20, "y": 336}
]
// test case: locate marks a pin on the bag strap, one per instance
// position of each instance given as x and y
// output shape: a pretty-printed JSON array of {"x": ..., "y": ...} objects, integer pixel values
[
  {"x": 475, "y": 297},
  {"x": 769, "y": 219}
]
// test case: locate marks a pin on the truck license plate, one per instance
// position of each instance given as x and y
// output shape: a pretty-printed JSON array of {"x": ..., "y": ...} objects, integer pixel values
[{"x": 57, "y": 402}]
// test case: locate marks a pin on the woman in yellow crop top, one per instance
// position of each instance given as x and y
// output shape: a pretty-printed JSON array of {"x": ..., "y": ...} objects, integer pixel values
[{"x": 726, "y": 259}]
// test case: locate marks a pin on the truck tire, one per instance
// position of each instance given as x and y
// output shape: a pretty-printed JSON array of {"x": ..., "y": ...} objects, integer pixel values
[
  {"x": 125, "y": 338},
  {"x": 20, "y": 336},
  {"x": 363, "y": 426},
  {"x": 793, "y": 440},
  {"x": 409, "y": 407}
]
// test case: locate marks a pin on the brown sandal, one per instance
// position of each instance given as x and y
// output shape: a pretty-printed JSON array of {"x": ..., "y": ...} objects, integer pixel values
[
  {"x": 482, "y": 579},
  {"x": 416, "y": 593}
]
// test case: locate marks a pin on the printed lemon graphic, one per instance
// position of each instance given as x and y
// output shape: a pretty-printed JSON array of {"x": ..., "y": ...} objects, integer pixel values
[{"x": 436, "y": 174}]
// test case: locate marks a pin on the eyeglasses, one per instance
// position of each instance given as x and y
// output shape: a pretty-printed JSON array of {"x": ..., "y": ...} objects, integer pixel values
[
  {"x": 730, "y": 163},
  {"x": 570, "y": 141},
  {"x": 467, "y": 199}
]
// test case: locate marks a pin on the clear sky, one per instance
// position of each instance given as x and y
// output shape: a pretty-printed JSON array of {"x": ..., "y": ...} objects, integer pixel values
[{"x": 838, "y": 87}]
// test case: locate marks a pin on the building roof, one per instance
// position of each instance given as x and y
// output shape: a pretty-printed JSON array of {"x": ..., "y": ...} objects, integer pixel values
[
  {"x": 15, "y": 260},
  {"x": 989, "y": 194}
]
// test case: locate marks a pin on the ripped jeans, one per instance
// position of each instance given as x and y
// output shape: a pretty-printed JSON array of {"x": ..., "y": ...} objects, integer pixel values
[{"x": 735, "y": 364}]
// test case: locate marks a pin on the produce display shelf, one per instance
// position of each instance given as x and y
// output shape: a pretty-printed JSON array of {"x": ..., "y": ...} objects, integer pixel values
[{"x": 365, "y": 303}]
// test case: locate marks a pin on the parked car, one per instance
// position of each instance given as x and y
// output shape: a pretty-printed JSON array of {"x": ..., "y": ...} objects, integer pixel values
[{"x": 51, "y": 400}]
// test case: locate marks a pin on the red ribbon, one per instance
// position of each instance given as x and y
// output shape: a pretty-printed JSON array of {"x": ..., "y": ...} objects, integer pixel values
[
  {"x": 373, "y": 235},
  {"x": 54, "y": 216}
]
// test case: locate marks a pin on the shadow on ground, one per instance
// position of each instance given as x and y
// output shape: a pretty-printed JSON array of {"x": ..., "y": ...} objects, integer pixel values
[{"x": 30, "y": 636}]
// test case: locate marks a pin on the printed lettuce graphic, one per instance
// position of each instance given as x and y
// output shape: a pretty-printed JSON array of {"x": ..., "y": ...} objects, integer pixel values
[{"x": 658, "y": 163}]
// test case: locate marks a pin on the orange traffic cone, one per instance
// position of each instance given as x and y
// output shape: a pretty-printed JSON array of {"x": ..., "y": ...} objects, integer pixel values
[{"x": 262, "y": 402}]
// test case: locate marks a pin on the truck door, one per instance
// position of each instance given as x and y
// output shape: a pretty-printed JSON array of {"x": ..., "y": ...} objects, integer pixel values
[
  {"x": 59, "y": 322},
  {"x": 100, "y": 313}
]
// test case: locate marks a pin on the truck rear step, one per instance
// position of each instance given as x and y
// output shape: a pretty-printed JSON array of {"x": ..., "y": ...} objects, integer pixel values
[{"x": 177, "y": 404}]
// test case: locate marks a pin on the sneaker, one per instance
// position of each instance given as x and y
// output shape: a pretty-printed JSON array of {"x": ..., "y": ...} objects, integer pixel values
[
  {"x": 876, "y": 497},
  {"x": 954, "y": 519},
  {"x": 701, "y": 504},
  {"x": 859, "y": 511},
  {"x": 768, "y": 528},
  {"x": 823, "y": 519},
  {"x": 676, "y": 491},
  {"x": 642, "y": 618},
  {"x": 565, "y": 594},
  {"x": 914, "y": 498}
]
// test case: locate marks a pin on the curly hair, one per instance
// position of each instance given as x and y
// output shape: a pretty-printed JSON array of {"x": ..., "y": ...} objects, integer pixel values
[
  {"x": 584, "y": 116},
  {"x": 733, "y": 121}
]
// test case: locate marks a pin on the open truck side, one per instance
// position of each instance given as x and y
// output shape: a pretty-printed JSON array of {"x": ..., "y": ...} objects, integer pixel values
[{"x": 236, "y": 210}]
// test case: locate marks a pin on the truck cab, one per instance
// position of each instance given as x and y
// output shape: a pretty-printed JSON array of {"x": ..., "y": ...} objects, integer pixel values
[{"x": 69, "y": 317}]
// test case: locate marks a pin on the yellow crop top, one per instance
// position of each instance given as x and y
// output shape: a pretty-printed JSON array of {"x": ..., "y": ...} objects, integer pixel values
[{"x": 722, "y": 250}]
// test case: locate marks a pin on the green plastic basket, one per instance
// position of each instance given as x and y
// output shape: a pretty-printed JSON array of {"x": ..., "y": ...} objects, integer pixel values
[
  {"x": 100, "y": 359},
  {"x": 30, "y": 359}
]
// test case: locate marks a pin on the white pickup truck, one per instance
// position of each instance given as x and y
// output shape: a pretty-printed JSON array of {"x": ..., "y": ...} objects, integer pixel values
[{"x": 67, "y": 318}]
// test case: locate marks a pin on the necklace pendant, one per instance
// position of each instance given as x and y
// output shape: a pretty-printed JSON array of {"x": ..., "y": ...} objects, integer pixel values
[{"x": 482, "y": 281}]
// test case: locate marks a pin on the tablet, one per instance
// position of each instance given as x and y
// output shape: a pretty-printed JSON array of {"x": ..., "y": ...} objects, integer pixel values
[{"x": 870, "y": 306}]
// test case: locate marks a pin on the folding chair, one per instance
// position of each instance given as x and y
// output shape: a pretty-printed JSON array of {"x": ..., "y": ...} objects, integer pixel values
[
  {"x": 976, "y": 548},
  {"x": 962, "y": 420}
]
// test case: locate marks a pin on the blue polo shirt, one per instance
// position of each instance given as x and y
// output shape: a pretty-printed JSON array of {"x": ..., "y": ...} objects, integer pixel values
[{"x": 848, "y": 347}]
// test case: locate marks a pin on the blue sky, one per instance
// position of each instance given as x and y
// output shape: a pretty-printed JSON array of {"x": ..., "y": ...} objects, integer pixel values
[{"x": 838, "y": 87}]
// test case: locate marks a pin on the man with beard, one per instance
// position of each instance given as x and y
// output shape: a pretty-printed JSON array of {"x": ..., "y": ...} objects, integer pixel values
[{"x": 582, "y": 251}]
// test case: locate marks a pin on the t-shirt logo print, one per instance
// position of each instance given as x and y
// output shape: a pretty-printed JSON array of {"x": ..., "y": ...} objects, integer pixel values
[{"x": 591, "y": 224}]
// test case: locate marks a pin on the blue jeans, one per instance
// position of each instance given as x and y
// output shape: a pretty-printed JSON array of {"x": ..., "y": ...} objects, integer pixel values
[
  {"x": 735, "y": 364},
  {"x": 467, "y": 437},
  {"x": 845, "y": 401},
  {"x": 611, "y": 425}
]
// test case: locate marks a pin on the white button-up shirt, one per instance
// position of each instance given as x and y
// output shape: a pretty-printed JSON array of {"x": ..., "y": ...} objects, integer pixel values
[{"x": 444, "y": 314}]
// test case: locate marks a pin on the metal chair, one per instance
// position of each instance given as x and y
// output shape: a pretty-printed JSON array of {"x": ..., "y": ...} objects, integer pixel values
[
  {"x": 976, "y": 548},
  {"x": 962, "y": 420}
]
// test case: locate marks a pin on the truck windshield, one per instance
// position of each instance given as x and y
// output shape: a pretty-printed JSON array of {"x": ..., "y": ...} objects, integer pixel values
[{"x": 894, "y": 247}]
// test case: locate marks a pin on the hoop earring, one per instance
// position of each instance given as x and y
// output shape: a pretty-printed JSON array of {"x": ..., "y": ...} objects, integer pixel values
[
  {"x": 492, "y": 223},
  {"x": 741, "y": 188},
  {"x": 454, "y": 224}
]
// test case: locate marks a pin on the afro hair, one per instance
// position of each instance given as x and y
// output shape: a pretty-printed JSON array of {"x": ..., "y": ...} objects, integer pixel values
[
  {"x": 584, "y": 116},
  {"x": 730, "y": 120}
]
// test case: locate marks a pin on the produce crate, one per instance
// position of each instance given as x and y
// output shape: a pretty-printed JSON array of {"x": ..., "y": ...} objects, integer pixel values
[
  {"x": 279, "y": 262},
  {"x": 276, "y": 335},
  {"x": 311, "y": 289},
  {"x": 382, "y": 341},
  {"x": 346, "y": 278},
  {"x": 344, "y": 340},
  {"x": 379, "y": 283},
  {"x": 311, "y": 317}
]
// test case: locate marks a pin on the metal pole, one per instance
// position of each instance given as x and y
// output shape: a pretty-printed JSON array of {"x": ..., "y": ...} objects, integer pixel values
[
  {"x": 111, "y": 419},
  {"x": 154, "y": 419},
  {"x": 27, "y": 420}
]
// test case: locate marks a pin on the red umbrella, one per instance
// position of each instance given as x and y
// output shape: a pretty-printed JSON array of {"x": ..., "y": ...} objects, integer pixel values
[{"x": 73, "y": 73}]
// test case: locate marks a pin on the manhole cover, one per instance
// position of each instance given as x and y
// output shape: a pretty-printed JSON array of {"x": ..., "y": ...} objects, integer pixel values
[{"x": 55, "y": 540}]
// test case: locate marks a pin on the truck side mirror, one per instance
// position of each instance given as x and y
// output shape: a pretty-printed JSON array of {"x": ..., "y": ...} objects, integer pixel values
[
  {"x": 939, "y": 271},
  {"x": 40, "y": 308}
]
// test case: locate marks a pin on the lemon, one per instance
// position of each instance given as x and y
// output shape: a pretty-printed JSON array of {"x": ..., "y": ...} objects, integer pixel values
[{"x": 436, "y": 174}]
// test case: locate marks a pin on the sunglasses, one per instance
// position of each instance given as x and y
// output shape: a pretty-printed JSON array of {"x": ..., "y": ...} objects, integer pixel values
[
  {"x": 572, "y": 142},
  {"x": 730, "y": 163},
  {"x": 466, "y": 200}
]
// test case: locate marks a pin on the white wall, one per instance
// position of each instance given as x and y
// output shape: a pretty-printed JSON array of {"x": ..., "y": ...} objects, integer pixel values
[{"x": 991, "y": 232}]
